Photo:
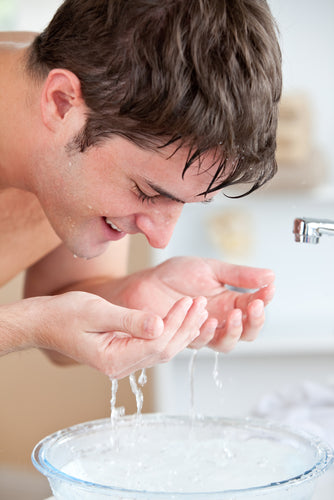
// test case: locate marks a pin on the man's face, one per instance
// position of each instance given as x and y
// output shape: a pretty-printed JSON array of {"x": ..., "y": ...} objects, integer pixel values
[{"x": 115, "y": 189}]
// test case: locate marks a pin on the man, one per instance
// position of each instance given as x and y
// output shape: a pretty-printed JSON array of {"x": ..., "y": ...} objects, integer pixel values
[{"x": 112, "y": 119}]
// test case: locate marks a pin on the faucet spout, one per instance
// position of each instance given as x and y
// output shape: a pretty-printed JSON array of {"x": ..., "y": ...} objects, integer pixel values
[{"x": 308, "y": 230}]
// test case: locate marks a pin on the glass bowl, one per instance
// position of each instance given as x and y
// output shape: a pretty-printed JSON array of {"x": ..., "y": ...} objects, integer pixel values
[{"x": 156, "y": 456}]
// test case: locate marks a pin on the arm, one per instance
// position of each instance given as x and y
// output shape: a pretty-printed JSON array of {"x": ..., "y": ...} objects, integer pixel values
[{"x": 60, "y": 271}]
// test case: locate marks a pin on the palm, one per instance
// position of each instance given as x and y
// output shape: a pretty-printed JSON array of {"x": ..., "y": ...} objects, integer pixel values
[{"x": 157, "y": 289}]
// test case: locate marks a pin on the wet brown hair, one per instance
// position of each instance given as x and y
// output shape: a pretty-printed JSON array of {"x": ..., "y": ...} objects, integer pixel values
[{"x": 205, "y": 74}]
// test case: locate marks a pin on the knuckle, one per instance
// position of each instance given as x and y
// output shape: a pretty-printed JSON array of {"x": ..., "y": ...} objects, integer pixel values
[
  {"x": 127, "y": 322},
  {"x": 166, "y": 355},
  {"x": 104, "y": 361},
  {"x": 229, "y": 346},
  {"x": 234, "y": 335},
  {"x": 250, "y": 336},
  {"x": 154, "y": 351}
]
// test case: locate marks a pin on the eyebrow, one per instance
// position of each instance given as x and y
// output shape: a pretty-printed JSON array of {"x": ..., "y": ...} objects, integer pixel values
[
  {"x": 170, "y": 196},
  {"x": 164, "y": 193}
]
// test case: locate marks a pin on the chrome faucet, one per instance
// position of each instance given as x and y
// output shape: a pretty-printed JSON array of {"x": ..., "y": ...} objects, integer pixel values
[{"x": 307, "y": 230}]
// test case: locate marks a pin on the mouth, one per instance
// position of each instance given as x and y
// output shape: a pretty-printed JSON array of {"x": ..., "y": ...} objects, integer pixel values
[
  {"x": 112, "y": 225},
  {"x": 113, "y": 231}
]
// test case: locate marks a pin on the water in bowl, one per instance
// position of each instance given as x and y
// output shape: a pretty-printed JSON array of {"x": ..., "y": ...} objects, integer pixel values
[{"x": 181, "y": 458}]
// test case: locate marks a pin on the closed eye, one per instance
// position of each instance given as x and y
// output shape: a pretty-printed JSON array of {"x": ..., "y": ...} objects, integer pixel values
[{"x": 143, "y": 197}]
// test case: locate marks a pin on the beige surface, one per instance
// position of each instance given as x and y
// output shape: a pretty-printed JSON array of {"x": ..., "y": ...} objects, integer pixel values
[{"x": 18, "y": 484}]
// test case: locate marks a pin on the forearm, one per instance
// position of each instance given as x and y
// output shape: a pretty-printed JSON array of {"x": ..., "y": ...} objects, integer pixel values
[
  {"x": 18, "y": 325},
  {"x": 60, "y": 271},
  {"x": 104, "y": 286}
]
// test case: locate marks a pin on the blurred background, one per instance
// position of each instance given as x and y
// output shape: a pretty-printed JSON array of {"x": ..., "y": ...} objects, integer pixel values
[{"x": 288, "y": 372}]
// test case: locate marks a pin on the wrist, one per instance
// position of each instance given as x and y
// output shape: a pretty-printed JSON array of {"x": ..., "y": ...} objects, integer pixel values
[{"x": 20, "y": 325}]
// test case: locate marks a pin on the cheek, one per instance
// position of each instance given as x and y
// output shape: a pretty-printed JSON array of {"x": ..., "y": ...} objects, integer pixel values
[{"x": 110, "y": 202}]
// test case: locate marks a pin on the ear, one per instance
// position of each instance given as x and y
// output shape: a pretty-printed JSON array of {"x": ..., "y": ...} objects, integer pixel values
[{"x": 61, "y": 98}]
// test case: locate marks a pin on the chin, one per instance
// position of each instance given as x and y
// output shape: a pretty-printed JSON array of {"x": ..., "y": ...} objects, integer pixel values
[{"x": 87, "y": 250}]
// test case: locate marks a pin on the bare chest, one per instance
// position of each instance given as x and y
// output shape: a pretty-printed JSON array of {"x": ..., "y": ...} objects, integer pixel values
[{"x": 25, "y": 234}]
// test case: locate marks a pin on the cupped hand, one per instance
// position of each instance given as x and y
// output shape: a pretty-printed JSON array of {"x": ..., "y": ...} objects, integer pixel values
[
  {"x": 110, "y": 338},
  {"x": 236, "y": 296}
]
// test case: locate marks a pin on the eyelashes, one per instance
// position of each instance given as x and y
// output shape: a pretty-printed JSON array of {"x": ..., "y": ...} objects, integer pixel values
[{"x": 144, "y": 197}]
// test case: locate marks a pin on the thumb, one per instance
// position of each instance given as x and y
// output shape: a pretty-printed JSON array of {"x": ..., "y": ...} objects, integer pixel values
[{"x": 136, "y": 323}]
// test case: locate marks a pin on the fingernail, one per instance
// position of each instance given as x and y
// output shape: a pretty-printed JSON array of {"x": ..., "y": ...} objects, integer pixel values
[
  {"x": 258, "y": 308},
  {"x": 196, "y": 334},
  {"x": 188, "y": 302},
  {"x": 237, "y": 318},
  {"x": 202, "y": 301},
  {"x": 151, "y": 326}
]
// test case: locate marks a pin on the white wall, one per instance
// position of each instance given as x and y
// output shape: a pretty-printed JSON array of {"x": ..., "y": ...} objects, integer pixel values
[
  {"x": 307, "y": 41},
  {"x": 32, "y": 15}
]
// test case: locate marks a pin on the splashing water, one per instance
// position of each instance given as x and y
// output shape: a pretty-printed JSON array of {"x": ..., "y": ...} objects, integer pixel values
[
  {"x": 142, "y": 380},
  {"x": 115, "y": 412},
  {"x": 192, "y": 381},
  {"x": 137, "y": 392},
  {"x": 215, "y": 374},
  {"x": 119, "y": 412},
  {"x": 114, "y": 388}
]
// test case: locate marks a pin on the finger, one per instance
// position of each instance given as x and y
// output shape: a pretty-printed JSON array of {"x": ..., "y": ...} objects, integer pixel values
[
  {"x": 180, "y": 326},
  {"x": 183, "y": 330},
  {"x": 207, "y": 333},
  {"x": 242, "y": 276},
  {"x": 229, "y": 334},
  {"x": 254, "y": 320},
  {"x": 176, "y": 315},
  {"x": 265, "y": 294},
  {"x": 136, "y": 323}
]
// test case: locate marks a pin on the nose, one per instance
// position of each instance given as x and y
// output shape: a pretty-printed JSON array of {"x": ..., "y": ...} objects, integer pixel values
[{"x": 158, "y": 224}]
